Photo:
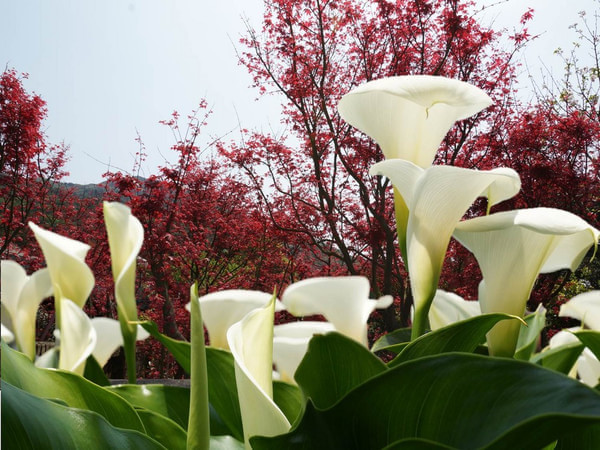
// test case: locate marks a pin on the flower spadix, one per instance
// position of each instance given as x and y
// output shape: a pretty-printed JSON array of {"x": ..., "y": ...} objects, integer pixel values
[
  {"x": 222, "y": 309},
  {"x": 21, "y": 297},
  {"x": 290, "y": 343},
  {"x": 125, "y": 239},
  {"x": 408, "y": 116},
  {"x": 251, "y": 343},
  {"x": 512, "y": 248},
  {"x": 436, "y": 199},
  {"x": 343, "y": 301},
  {"x": 65, "y": 258}
]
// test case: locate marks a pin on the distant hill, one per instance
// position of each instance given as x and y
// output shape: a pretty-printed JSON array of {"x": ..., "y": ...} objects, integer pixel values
[{"x": 86, "y": 190}]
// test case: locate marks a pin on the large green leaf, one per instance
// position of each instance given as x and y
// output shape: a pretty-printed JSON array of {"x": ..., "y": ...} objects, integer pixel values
[
  {"x": 529, "y": 335},
  {"x": 587, "y": 438},
  {"x": 30, "y": 422},
  {"x": 289, "y": 399},
  {"x": 393, "y": 341},
  {"x": 562, "y": 359},
  {"x": 333, "y": 365},
  {"x": 95, "y": 373},
  {"x": 73, "y": 390},
  {"x": 170, "y": 401},
  {"x": 462, "y": 336},
  {"x": 222, "y": 390},
  {"x": 163, "y": 430},
  {"x": 456, "y": 399}
]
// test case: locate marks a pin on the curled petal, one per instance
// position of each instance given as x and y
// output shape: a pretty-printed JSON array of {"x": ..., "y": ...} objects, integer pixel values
[
  {"x": 125, "y": 238},
  {"x": 65, "y": 258},
  {"x": 512, "y": 248},
  {"x": 343, "y": 301},
  {"x": 290, "y": 343},
  {"x": 222, "y": 309},
  {"x": 251, "y": 344},
  {"x": 408, "y": 116},
  {"x": 77, "y": 338},
  {"x": 21, "y": 297},
  {"x": 584, "y": 307},
  {"x": 109, "y": 338},
  {"x": 448, "y": 308},
  {"x": 7, "y": 335}
]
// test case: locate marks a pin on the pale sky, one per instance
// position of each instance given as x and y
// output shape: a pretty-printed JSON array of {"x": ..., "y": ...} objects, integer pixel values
[{"x": 107, "y": 69}]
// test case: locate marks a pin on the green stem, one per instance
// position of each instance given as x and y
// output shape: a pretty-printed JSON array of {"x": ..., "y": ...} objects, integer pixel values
[
  {"x": 129, "y": 347},
  {"x": 198, "y": 436},
  {"x": 401, "y": 211}
]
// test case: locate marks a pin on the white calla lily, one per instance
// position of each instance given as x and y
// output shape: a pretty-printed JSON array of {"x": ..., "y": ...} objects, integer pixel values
[
  {"x": 222, "y": 309},
  {"x": 21, "y": 297},
  {"x": 436, "y": 199},
  {"x": 125, "y": 239},
  {"x": 290, "y": 343},
  {"x": 408, "y": 116},
  {"x": 251, "y": 343},
  {"x": 110, "y": 338},
  {"x": 448, "y": 308},
  {"x": 343, "y": 301},
  {"x": 587, "y": 367},
  {"x": 71, "y": 277},
  {"x": 512, "y": 248},
  {"x": 584, "y": 307},
  {"x": 77, "y": 338}
]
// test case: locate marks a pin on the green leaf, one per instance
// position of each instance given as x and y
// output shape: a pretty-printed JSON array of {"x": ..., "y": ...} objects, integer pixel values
[
  {"x": 222, "y": 390},
  {"x": 75, "y": 391},
  {"x": 528, "y": 335},
  {"x": 289, "y": 399},
  {"x": 163, "y": 430},
  {"x": 417, "y": 444},
  {"x": 333, "y": 365},
  {"x": 225, "y": 443},
  {"x": 583, "y": 439},
  {"x": 179, "y": 349},
  {"x": 169, "y": 401},
  {"x": 591, "y": 339},
  {"x": 462, "y": 336},
  {"x": 95, "y": 373},
  {"x": 30, "y": 422},
  {"x": 562, "y": 359},
  {"x": 456, "y": 399},
  {"x": 394, "y": 341}
]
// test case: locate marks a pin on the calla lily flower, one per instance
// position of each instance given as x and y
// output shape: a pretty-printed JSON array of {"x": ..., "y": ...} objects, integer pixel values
[
  {"x": 290, "y": 343},
  {"x": 125, "y": 239},
  {"x": 587, "y": 367},
  {"x": 21, "y": 297},
  {"x": 343, "y": 301},
  {"x": 77, "y": 338},
  {"x": 448, "y": 308},
  {"x": 408, "y": 116},
  {"x": 436, "y": 199},
  {"x": 65, "y": 258},
  {"x": 110, "y": 338},
  {"x": 251, "y": 343},
  {"x": 584, "y": 307},
  {"x": 512, "y": 248},
  {"x": 222, "y": 309}
]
